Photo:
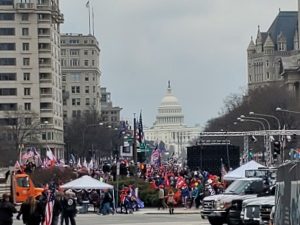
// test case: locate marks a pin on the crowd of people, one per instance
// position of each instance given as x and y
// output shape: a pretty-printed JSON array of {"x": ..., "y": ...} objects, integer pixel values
[{"x": 176, "y": 186}]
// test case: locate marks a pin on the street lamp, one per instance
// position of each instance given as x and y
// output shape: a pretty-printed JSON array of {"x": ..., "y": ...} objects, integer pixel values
[
  {"x": 256, "y": 118},
  {"x": 267, "y": 115},
  {"x": 286, "y": 110},
  {"x": 251, "y": 120}
]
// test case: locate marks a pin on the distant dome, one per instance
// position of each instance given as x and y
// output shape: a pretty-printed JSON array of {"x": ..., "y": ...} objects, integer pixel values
[
  {"x": 169, "y": 111},
  {"x": 169, "y": 99}
]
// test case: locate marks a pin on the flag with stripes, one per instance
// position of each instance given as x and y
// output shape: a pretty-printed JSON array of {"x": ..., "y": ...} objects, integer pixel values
[{"x": 49, "y": 208}]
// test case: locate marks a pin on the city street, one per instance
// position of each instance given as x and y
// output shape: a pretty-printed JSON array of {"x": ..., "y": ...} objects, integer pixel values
[{"x": 157, "y": 219}]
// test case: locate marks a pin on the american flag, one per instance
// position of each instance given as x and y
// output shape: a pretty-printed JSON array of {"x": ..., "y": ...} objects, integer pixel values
[{"x": 49, "y": 208}]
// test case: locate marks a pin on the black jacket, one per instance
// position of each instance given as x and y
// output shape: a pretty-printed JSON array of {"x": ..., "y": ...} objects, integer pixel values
[{"x": 6, "y": 211}]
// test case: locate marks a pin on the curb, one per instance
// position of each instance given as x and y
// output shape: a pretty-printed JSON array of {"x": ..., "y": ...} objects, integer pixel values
[{"x": 178, "y": 213}]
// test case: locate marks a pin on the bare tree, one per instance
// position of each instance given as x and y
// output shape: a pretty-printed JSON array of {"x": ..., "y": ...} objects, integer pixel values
[{"x": 19, "y": 128}]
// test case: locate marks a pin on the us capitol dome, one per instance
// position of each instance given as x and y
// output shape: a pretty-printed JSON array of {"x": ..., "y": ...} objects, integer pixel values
[{"x": 169, "y": 126}]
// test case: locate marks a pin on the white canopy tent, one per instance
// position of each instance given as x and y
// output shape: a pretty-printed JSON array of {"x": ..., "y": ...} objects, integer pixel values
[
  {"x": 240, "y": 171},
  {"x": 88, "y": 183}
]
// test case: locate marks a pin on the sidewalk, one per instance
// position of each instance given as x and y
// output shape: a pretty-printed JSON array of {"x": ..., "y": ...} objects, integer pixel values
[{"x": 180, "y": 210}]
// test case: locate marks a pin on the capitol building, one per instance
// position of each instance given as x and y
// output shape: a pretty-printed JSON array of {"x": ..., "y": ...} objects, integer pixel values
[{"x": 169, "y": 126}]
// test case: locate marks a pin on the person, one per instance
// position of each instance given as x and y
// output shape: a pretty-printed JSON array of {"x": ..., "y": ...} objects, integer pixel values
[
  {"x": 161, "y": 197},
  {"x": 171, "y": 201},
  {"x": 106, "y": 203},
  {"x": 32, "y": 212},
  {"x": 6, "y": 210},
  {"x": 57, "y": 208},
  {"x": 69, "y": 208}
]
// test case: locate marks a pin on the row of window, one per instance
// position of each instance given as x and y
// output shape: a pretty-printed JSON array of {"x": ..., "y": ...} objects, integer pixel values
[
  {"x": 76, "y": 89},
  {"x": 9, "y": 31},
  {"x": 74, "y": 52},
  {"x": 77, "y": 41},
  {"x": 12, "y": 46},
  {"x": 76, "y": 77},
  {"x": 77, "y": 101},
  {"x": 26, "y": 61},
  {"x": 76, "y": 62}
]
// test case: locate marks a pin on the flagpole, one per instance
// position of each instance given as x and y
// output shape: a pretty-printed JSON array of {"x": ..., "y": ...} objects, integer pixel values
[
  {"x": 134, "y": 140},
  {"x": 93, "y": 21},
  {"x": 88, "y": 5}
]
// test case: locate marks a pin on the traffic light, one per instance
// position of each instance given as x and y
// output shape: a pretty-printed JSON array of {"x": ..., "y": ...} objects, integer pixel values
[{"x": 276, "y": 145}]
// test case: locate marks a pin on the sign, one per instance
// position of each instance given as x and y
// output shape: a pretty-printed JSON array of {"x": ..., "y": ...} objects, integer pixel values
[{"x": 126, "y": 150}]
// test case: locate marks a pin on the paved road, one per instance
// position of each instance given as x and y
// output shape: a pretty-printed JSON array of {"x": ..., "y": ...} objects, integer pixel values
[{"x": 138, "y": 219}]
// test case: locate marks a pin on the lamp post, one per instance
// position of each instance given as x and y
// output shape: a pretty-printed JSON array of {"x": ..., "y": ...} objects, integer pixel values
[
  {"x": 286, "y": 110},
  {"x": 267, "y": 143},
  {"x": 267, "y": 115},
  {"x": 257, "y": 118}
]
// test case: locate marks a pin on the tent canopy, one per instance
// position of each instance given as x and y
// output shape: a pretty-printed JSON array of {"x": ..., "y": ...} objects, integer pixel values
[
  {"x": 240, "y": 171},
  {"x": 87, "y": 182}
]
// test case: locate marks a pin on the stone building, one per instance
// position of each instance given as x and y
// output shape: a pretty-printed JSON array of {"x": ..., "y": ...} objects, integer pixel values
[
  {"x": 169, "y": 126},
  {"x": 30, "y": 70},
  {"x": 80, "y": 75},
  {"x": 109, "y": 114},
  {"x": 275, "y": 55}
]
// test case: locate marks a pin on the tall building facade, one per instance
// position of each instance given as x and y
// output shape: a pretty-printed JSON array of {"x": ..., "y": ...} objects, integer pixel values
[
  {"x": 80, "y": 74},
  {"x": 169, "y": 126},
  {"x": 109, "y": 114},
  {"x": 30, "y": 71},
  {"x": 271, "y": 49}
]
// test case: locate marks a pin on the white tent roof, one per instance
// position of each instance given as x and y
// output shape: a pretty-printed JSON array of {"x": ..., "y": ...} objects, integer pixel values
[
  {"x": 240, "y": 171},
  {"x": 86, "y": 182}
]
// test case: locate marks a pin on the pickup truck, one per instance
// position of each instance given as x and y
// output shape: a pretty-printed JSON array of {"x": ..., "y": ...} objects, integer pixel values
[
  {"x": 19, "y": 186},
  {"x": 216, "y": 207},
  {"x": 257, "y": 211}
]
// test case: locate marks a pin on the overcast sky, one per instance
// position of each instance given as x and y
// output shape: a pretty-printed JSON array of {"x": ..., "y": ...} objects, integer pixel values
[{"x": 200, "y": 45}]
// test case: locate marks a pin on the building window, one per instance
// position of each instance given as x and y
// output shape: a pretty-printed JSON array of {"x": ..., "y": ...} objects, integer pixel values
[
  {"x": 63, "y": 52},
  {"x": 93, "y": 52},
  {"x": 87, "y": 89},
  {"x": 74, "y": 41},
  {"x": 75, "y": 77},
  {"x": 87, "y": 101},
  {"x": 7, "y": 31},
  {"x": 7, "y": 61},
  {"x": 63, "y": 77},
  {"x": 93, "y": 62},
  {"x": 25, "y": 31},
  {"x": 75, "y": 89},
  {"x": 94, "y": 89},
  {"x": 8, "y": 106},
  {"x": 74, "y": 52},
  {"x": 25, "y": 46},
  {"x": 268, "y": 75},
  {"x": 8, "y": 91},
  {"x": 86, "y": 52},
  {"x": 28, "y": 121},
  {"x": 74, "y": 62},
  {"x": 26, "y": 76},
  {"x": 7, "y": 46},
  {"x": 26, "y": 91},
  {"x": 86, "y": 62},
  {"x": 27, "y": 106},
  {"x": 25, "y": 17},
  {"x": 7, "y": 16},
  {"x": 26, "y": 61},
  {"x": 8, "y": 76},
  {"x": 6, "y": 2}
]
